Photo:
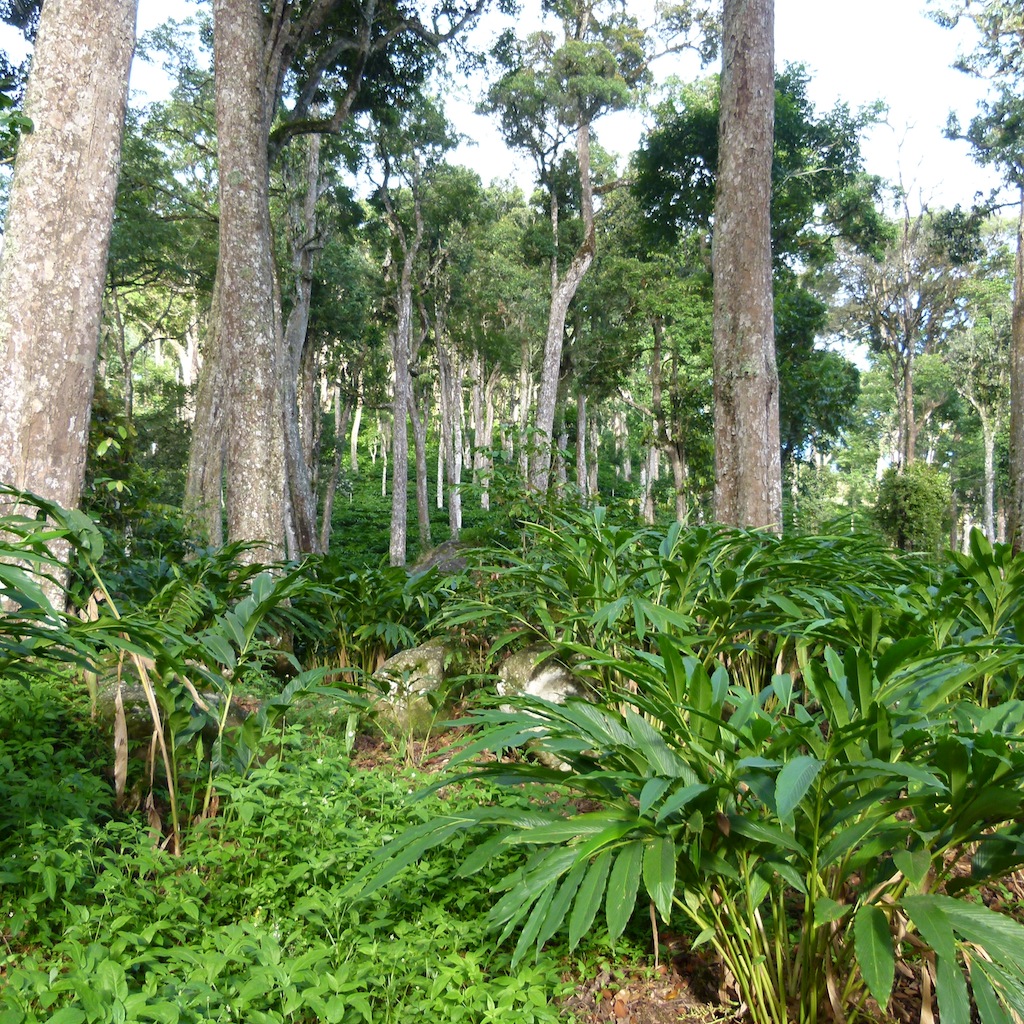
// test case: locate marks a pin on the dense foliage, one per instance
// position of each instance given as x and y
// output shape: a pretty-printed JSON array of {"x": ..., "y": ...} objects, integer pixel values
[{"x": 806, "y": 753}]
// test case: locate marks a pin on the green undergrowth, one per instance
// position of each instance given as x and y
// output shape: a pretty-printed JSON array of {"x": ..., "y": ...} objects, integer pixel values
[{"x": 253, "y": 921}]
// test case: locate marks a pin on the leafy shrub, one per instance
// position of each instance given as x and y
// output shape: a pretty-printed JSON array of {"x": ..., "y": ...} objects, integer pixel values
[
  {"x": 802, "y": 832},
  {"x": 913, "y": 507},
  {"x": 802, "y": 745}
]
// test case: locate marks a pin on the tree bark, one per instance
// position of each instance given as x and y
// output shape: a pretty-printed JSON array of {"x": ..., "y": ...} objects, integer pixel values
[
  {"x": 563, "y": 290},
  {"x": 581, "y": 444},
  {"x": 748, "y": 470},
  {"x": 250, "y": 333},
  {"x": 419, "y": 439},
  {"x": 353, "y": 444},
  {"x": 299, "y": 367},
  {"x": 1015, "y": 525},
  {"x": 56, "y": 241}
]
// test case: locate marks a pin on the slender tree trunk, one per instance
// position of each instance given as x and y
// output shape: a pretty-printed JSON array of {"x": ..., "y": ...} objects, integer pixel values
[
  {"x": 1015, "y": 525},
  {"x": 204, "y": 482},
  {"x": 419, "y": 438},
  {"x": 909, "y": 424},
  {"x": 353, "y": 444},
  {"x": 680, "y": 475},
  {"x": 649, "y": 472},
  {"x": 581, "y": 444},
  {"x": 401, "y": 404},
  {"x": 525, "y": 398},
  {"x": 342, "y": 413},
  {"x": 988, "y": 429},
  {"x": 563, "y": 290},
  {"x": 593, "y": 450},
  {"x": 56, "y": 240},
  {"x": 748, "y": 470},
  {"x": 299, "y": 357}
]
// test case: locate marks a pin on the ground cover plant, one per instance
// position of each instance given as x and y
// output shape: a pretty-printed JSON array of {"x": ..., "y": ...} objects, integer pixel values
[{"x": 250, "y": 921}]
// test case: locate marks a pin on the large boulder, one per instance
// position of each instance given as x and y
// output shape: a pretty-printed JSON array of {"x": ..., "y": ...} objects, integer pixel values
[
  {"x": 536, "y": 671},
  {"x": 405, "y": 681}
]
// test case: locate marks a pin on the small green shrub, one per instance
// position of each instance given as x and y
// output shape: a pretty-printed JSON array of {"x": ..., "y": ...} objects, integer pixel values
[{"x": 913, "y": 507}]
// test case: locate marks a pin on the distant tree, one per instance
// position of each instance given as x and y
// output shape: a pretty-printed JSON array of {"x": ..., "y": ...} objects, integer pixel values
[
  {"x": 998, "y": 141},
  {"x": 905, "y": 303},
  {"x": 979, "y": 359},
  {"x": 554, "y": 90},
  {"x": 820, "y": 195}
]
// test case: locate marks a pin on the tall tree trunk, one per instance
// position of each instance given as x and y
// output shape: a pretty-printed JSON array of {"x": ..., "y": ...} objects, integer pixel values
[
  {"x": 523, "y": 419},
  {"x": 401, "y": 404},
  {"x": 419, "y": 439},
  {"x": 56, "y": 241},
  {"x": 250, "y": 333},
  {"x": 748, "y": 469},
  {"x": 204, "y": 482},
  {"x": 342, "y": 413},
  {"x": 988, "y": 430},
  {"x": 908, "y": 425},
  {"x": 649, "y": 472},
  {"x": 1015, "y": 525},
  {"x": 680, "y": 474},
  {"x": 298, "y": 426},
  {"x": 353, "y": 443},
  {"x": 593, "y": 451}
]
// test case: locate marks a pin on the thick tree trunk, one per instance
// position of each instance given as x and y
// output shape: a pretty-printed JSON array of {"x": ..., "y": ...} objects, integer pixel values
[
  {"x": 249, "y": 329},
  {"x": 748, "y": 470},
  {"x": 56, "y": 240},
  {"x": 1015, "y": 524}
]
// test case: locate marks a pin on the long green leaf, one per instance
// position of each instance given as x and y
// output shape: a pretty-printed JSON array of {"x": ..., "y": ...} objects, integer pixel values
[
  {"x": 560, "y": 904},
  {"x": 950, "y": 985},
  {"x": 622, "y": 887},
  {"x": 659, "y": 873},
  {"x": 990, "y": 1010},
  {"x": 792, "y": 784},
  {"x": 873, "y": 945},
  {"x": 588, "y": 899}
]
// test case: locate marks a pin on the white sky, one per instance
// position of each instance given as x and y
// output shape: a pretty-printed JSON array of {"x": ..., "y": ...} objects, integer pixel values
[{"x": 856, "y": 52}]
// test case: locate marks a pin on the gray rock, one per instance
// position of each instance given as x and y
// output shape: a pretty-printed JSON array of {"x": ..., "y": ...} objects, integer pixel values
[
  {"x": 404, "y": 682},
  {"x": 535, "y": 671}
]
